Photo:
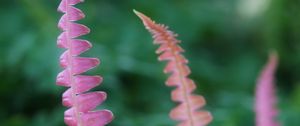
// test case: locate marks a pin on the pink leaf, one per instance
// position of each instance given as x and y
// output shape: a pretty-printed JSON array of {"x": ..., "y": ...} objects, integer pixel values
[
  {"x": 62, "y": 41},
  {"x": 85, "y": 83},
  {"x": 67, "y": 98},
  {"x": 63, "y": 79},
  {"x": 92, "y": 118},
  {"x": 97, "y": 118},
  {"x": 80, "y": 46},
  {"x": 81, "y": 64},
  {"x": 76, "y": 30},
  {"x": 170, "y": 67},
  {"x": 70, "y": 117},
  {"x": 167, "y": 55},
  {"x": 75, "y": 14},
  {"x": 66, "y": 3},
  {"x": 89, "y": 101},
  {"x": 173, "y": 80}
]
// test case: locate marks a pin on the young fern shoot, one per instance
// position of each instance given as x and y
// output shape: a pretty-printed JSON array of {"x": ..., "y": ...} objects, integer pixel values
[
  {"x": 265, "y": 101},
  {"x": 187, "y": 113},
  {"x": 81, "y": 103}
]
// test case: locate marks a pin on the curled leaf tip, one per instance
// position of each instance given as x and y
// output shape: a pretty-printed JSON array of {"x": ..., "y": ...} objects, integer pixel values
[{"x": 135, "y": 11}]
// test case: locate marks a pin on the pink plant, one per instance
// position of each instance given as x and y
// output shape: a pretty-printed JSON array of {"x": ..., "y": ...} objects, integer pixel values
[
  {"x": 81, "y": 103},
  {"x": 265, "y": 101},
  {"x": 187, "y": 112}
]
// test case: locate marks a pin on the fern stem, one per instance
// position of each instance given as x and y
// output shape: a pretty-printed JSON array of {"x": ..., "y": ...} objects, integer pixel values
[
  {"x": 70, "y": 67},
  {"x": 185, "y": 94},
  {"x": 81, "y": 102},
  {"x": 183, "y": 82}
]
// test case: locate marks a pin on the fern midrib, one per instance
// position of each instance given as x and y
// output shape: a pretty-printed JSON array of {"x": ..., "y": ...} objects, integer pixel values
[
  {"x": 70, "y": 66},
  {"x": 182, "y": 79}
]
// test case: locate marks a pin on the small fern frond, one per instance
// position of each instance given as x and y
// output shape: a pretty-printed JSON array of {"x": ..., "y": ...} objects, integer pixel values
[
  {"x": 82, "y": 104},
  {"x": 187, "y": 112},
  {"x": 265, "y": 101}
]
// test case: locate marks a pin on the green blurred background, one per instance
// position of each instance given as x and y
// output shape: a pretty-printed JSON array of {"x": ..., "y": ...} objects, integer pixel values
[{"x": 226, "y": 41}]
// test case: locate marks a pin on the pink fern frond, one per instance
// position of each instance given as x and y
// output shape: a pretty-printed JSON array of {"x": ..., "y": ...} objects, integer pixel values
[
  {"x": 81, "y": 103},
  {"x": 265, "y": 101},
  {"x": 187, "y": 112}
]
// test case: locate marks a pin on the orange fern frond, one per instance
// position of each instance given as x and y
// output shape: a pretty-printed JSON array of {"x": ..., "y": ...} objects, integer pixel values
[{"x": 187, "y": 112}]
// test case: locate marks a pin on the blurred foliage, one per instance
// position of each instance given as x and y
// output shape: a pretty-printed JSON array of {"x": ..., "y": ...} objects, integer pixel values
[{"x": 226, "y": 41}]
